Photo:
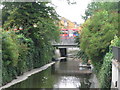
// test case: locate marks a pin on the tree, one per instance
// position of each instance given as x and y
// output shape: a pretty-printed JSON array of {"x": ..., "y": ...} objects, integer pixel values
[
  {"x": 98, "y": 6},
  {"x": 28, "y": 14},
  {"x": 96, "y": 35},
  {"x": 39, "y": 29}
]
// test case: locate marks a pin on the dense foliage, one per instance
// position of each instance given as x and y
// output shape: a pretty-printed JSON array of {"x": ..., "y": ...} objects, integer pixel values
[
  {"x": 99, "y": 29},
  {"x": 96, "y": 35},
  {"x": 105, "y": 74},
  {"x": 98, "y": 6},
  {"x": 115, "y": 41},
  {"x": 14, "y": 54},
  {"x": 29, "y": 29}
]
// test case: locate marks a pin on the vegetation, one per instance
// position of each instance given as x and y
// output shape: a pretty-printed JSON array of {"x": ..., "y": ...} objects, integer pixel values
[
  {"x": 115, "y": 41},
  {"x": 105, "y": 74},
  {"x": 94, "y": 7},
  {"x": 97, "y": 33},
  {"x": 81, "y": 54},
  {"x": 14, "y": 54},
  {"x": 99, "y": 29},
  {"x": 29, "y": 29}
]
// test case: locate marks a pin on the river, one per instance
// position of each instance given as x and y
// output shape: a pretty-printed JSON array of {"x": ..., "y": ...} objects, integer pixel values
[{"x": 62, "y": 74}]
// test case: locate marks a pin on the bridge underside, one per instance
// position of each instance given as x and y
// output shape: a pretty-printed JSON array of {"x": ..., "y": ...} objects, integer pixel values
[{"x": 64, "y": 44}]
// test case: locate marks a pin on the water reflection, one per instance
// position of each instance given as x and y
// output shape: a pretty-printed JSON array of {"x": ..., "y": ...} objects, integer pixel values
[
  {"x": 39, "y": 80},
  {"x": 63, "y": 60},
  {"x": 85, "y": 83},
  {"x": 68, "y": 82},
  {"x": 65, "y": 74}
]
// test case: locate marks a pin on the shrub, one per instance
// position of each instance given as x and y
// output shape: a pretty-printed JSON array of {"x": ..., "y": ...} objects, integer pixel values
[
  {"x": 13, "y": 52},
  {"x": 105, "y": 71},
  {"x": 115, "y": 41},
  {"x": 10, "y": 48}
]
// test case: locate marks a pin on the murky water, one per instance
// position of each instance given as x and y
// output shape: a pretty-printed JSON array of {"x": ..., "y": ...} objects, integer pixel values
[{"x": 64, "y": 74}]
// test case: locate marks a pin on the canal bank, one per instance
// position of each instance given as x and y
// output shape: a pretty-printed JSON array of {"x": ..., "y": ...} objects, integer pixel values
[{"x": 26, "y": 75}]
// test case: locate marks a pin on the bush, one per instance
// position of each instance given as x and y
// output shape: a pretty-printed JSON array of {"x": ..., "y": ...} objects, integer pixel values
[
  {"x": 13, "y": 53},
  {"x": 115, "y": 41},
  {"x": 106, "y": 71},
  {"x": 10, "y": 48}
]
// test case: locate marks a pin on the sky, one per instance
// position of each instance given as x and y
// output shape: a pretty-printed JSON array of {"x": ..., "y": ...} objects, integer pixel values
[{"x": 71, "y": 12}]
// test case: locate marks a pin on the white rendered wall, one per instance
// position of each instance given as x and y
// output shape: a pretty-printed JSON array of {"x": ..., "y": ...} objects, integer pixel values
[{"x": 115, "y": 75}]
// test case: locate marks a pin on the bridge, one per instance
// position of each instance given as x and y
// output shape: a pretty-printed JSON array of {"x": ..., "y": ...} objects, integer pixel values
[{"x": 65, "y": 42}]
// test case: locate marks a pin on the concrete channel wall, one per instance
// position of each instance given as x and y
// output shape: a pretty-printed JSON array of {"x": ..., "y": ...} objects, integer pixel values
[{"x": 115, "y": 74}]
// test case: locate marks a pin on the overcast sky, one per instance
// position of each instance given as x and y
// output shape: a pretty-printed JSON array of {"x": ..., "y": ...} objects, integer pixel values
[{"x": 72, "y": 12}]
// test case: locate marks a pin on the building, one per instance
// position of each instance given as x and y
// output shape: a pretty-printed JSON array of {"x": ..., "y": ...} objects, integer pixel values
[{"x": 67, "y": 24}]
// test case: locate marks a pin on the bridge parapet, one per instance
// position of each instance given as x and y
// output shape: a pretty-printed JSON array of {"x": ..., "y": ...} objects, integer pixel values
[{"x": 65, "y": 42}]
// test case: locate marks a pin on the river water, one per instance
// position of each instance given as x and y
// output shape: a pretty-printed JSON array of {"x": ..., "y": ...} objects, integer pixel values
[{"x": 63, "y": 74}]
